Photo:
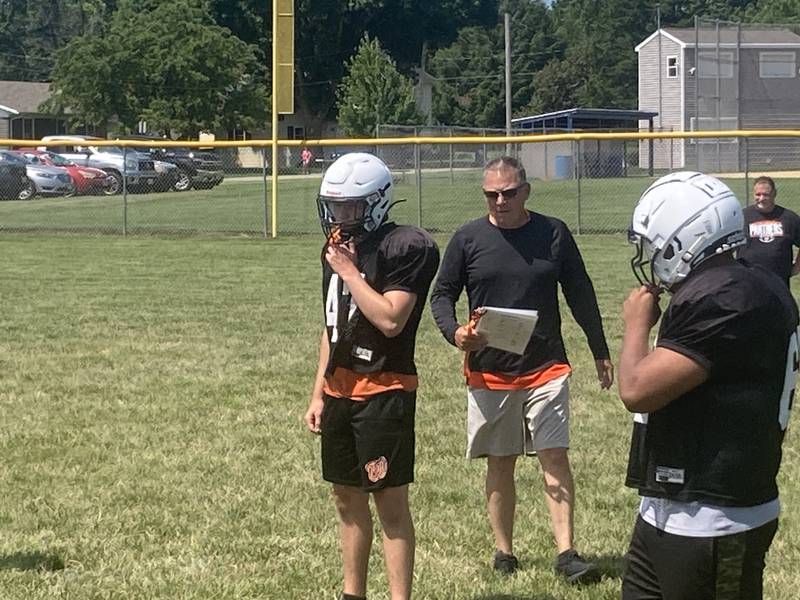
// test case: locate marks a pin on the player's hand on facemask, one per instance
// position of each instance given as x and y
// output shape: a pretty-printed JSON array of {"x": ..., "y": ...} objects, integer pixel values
[
  {"x": 343, "y": 259},
  {"x": 641, "y": 307}
]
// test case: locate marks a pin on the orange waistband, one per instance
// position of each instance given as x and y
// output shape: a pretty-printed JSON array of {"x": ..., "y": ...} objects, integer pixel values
[
  {"x": 501, "y": 381},
  {"x": 345, "y": 383}
]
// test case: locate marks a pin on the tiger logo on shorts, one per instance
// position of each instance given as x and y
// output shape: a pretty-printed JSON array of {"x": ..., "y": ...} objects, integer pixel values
[{"x": 376, "y": 469}]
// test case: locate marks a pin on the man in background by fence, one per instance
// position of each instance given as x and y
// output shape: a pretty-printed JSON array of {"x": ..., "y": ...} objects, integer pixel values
[
  {"x": 519, "y": 404},
  {"x": 772, "y": 232}
]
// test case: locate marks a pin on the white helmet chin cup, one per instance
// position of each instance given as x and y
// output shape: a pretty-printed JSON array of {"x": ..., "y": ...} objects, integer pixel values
[
  {"x": 680, "y": 221},
  {"x": 355, "y": 194}
]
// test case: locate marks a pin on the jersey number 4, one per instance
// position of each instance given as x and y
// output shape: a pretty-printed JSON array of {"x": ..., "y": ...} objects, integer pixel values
[
  {"x": 332, "y": 305},
  {"x": 789, "y": 381}
]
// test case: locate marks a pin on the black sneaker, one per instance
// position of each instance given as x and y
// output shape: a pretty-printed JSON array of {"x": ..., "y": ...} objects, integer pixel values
[
  {"x": 574, "y": 569},
  {"x": 507, "y": 564}
]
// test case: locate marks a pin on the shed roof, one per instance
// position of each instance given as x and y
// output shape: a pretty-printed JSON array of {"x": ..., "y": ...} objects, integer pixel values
[
  {"x": 585, "y": 118},
  {"x": 760, "y": 37}
]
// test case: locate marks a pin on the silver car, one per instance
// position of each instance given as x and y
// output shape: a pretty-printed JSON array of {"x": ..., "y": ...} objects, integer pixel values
[{"x": 49, "y": 181}]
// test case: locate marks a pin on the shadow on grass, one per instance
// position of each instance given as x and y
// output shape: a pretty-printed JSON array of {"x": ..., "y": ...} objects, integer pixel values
[
  {"x": 610, "y": 566},
  {"x": 30, "y": 561},
  {"x": 514, "y": 597}
]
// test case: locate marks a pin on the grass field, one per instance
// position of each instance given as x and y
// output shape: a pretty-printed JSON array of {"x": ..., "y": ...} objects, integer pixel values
[
  {"x": 242, "y": 205},
  {"x": 151, "y": 393}
]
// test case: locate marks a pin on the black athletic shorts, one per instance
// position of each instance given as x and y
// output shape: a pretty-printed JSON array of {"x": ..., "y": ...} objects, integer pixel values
[
  {"x": 369, "y": 443},
  {"x": 663, "y": 566}
]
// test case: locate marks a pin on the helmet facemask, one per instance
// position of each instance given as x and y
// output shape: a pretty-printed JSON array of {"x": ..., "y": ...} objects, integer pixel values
[{"x": 642, "y": 261}]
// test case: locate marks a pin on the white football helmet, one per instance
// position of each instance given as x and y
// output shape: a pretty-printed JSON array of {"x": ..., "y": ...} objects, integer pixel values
[
  {"x": 681, "y": 220},
  {"x": 355, "y": 195}
]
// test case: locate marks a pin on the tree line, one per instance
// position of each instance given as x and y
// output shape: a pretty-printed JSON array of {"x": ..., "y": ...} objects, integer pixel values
[{"x": 190, "y": 65}]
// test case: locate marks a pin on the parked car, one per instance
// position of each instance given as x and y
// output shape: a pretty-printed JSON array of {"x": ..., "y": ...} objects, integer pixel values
[
  {"x": 13, "y": 177},
  {"x": 88, "y": 180},
  {"x": 49, "y": 181},
  {"x": 138, "y": 167},
  {"x": 197, "y": 168},
  {"x": 168, "y": 175}
]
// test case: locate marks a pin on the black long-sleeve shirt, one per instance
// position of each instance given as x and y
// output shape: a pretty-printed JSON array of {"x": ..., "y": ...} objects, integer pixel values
[{"x": 518, "y": 268}]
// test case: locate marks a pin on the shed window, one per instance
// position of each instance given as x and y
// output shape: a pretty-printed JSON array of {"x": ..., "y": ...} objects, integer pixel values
[
  {"x": 711, "y": 66},
  {"x": 773, "y": 65},
  {"x": 672, "y": 67}
]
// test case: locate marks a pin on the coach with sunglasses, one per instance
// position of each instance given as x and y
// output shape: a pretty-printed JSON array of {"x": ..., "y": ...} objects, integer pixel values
[{"x": 519, "y": 404}]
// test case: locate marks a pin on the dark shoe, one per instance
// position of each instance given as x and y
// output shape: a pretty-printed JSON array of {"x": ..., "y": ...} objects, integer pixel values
[
  {"x": 507, "y": 564},
  {"x": 574, "y": 569}
]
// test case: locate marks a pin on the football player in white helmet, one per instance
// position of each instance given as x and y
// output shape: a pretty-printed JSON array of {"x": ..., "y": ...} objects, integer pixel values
[
  {"x": 375, "y": 279},
  {"x": 355, "y": 196},
  {"x": 712, "y": 398},
  {"x": 680, "y": 221}
]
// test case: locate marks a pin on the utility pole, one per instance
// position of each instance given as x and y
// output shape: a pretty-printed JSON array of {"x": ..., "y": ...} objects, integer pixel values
[{"x": 507, "y": 31}]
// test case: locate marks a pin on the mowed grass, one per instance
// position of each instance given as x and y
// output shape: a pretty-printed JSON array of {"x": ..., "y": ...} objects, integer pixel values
[
  {"x": 440, "y": 201},
  {"x": 151, "y": 393}
]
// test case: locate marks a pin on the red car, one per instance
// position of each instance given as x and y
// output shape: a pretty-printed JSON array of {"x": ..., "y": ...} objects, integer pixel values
[{"x": 88, "y": 180}]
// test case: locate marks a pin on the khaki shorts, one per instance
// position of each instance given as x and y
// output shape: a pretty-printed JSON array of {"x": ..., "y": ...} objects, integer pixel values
[{"x": 514, "y": 422}]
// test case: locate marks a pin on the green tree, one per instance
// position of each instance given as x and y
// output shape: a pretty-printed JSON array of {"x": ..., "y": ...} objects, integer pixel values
[
  {"x": 30, "y": 33},
  {"x": 598, "y": 66},
  {"x": 681, "y": 13},
  {"x": 166, "y": 63},
  {"x": 470, "y": 90},
  {"x": 374, "y": 92},
  {"x": 327, "y": 32},
  {"x": 775, "y": 11}
]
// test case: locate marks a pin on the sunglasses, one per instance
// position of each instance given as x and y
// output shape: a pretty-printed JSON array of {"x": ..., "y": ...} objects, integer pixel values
[{"x": 507, "y": 194}]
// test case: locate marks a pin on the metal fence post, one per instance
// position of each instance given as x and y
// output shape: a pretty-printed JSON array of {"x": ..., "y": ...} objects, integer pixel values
[
  {"x": 624, "y": 158},
  {"x": 577, "y": 154},
  {"x": 747, "y": 171},
  {"x": 451, "y": 158},
  {"x": 671, "y": 150},
  {"x": 124, "y": 190},
  {"x": 418, "y": 176},
  {"x": 266, "y": 194}
]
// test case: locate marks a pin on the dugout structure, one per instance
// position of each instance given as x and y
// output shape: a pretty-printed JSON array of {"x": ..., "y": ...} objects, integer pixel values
[{"x": 595, "y": 158}]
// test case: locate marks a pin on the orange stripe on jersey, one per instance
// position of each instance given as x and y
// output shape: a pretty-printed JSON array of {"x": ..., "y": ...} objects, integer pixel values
[
  {"x": 500, "y": 381},
  {"x": 345, "y": 383}
]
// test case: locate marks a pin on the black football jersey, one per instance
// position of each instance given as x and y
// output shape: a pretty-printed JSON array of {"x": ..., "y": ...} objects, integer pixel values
[
  {"x": 394, "y": 257},
  {"x": 720, "y": 443}
]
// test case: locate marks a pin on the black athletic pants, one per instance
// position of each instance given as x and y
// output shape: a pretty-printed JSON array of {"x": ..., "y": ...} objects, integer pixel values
[{"x": 663, "y": 566}]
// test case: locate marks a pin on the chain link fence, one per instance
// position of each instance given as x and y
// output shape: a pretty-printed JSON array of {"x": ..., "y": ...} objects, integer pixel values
[{"x": 591, "y": 184}]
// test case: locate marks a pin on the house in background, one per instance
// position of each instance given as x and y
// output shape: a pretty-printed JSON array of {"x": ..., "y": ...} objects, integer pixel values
[
  {"x": 20, "y": 117},
  {"x": 741, "y": 78}
]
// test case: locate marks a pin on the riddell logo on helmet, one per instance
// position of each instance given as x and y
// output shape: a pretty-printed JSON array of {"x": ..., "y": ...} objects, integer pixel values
[{"x": 376, "y": 469}]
